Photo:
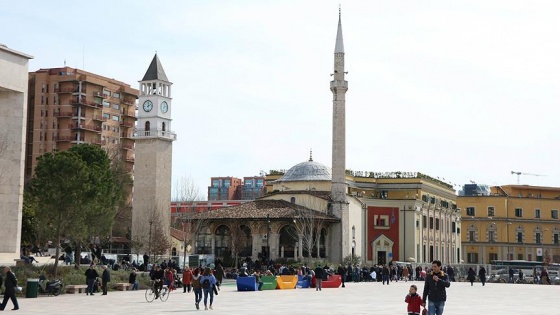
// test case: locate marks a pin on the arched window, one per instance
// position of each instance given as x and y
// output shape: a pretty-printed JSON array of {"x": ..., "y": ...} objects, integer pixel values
[
  {"x": 288, "y": 240},
  {"x": 519, "y": 235},
  {"x": 174, "y": 251},
  {"x": 248, "y": 237},
  {"x": 293, "y": 200},
  {"x": 223, "y": 237},
  {"x": 163, "y": 126},
  {"x": 204, "y": 241},
  {"x": 147, "y": 128}
]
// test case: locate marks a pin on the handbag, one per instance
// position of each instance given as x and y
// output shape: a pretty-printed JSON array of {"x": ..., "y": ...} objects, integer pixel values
[{"x": 424, "y": 311}]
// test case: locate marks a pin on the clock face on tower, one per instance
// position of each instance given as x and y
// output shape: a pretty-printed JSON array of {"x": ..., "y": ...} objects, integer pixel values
[
  {"x": 148, "y": 105},
  {"x": 164, "y": 107}
]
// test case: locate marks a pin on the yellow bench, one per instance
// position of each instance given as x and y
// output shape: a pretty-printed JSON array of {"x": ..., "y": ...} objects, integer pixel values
[{"x": 286, "y": 282}]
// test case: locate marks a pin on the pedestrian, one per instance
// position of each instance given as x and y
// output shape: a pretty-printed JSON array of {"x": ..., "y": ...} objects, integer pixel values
[
  {"x": 482, "y": 275},
  {"x": 197, "y": 288},
  {"x": 385, "y": 274},
  {"x": 413, "y": 300},
  {"x": 471, "y": 275},
  {"x": 132, "y": 280},
  {"x": 208, "y": 281},
  {"x": 434, "y": 289},
  {"x": 10, "y": 286},
  {"x": 91, "y": 275},
  {"x": 544, "y": 276},
  {"x": 405, "y": 274},
  {"x": 219, "y": 274},
  {"x": 511, "y": 273},
  {"x": 169, "y": 278},
  {"x": 187, "y": 279},
  {"x": 319, "y": 278},
  {"x": 105, "y": 279},
  {"x": 340, "y": 271}
]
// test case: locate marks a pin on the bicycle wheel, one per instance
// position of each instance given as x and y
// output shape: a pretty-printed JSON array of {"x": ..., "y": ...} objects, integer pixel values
[
  {"x": 164, "y": 295},
  {"x": 149, "y": 295}
]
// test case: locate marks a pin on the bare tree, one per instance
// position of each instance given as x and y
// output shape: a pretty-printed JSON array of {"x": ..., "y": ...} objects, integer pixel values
[
  {"x": 237, "y": 241},
  {"x": 158, "y": 240},
  {"x": 190, "y": 218},
  {"x": 308, "y": 225}
]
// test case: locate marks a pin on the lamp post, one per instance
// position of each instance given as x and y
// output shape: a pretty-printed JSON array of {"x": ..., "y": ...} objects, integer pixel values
[
  {"x": 353, "y": 242},
  {"x": 507, "y": 231},
  {"x": 267, "y": 256}
]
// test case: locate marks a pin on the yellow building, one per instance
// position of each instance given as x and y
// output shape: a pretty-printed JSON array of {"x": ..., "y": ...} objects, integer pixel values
[{"x": 514, "y": 222}]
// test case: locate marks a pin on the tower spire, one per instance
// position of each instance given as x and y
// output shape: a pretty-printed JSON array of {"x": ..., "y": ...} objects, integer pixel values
[
  {"x": 311, "y": 155},
  {"x": 339, "y": 47}
]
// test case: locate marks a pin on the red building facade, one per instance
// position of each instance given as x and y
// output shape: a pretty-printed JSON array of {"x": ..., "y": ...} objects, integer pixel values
[{"x": 382, "y": 234}]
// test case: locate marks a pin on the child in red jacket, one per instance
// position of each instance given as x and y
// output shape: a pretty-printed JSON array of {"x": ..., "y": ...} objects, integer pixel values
[{"x": 414, "y": 301}]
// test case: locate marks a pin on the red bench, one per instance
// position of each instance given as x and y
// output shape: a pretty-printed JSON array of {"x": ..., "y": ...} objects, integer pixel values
[{"x": 333, "y": 281}]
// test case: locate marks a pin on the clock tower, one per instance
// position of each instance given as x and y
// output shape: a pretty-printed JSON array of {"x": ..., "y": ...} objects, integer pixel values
[{"x": 153, "y": 158}]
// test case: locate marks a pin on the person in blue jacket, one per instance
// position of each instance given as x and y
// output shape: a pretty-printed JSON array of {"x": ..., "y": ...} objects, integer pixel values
[{"x": 207, "y": 282}]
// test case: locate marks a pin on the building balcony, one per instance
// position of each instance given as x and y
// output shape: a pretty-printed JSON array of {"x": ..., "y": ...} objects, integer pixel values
[
  {"x": 85, "y": 103},
  {"x": 98, "y": 94},
  {"x": 129, "y": 101},
  {"x": 68, "y": 115},
  {"x": 129, "y": 114},
  {"x": 82, "y": 126},
  {"x": 168, "y": 135},
  {"x": 64, "y": 138},
  {"x": 127, "y": 124},
  {"x": 66, "y": 90},
  {"x": 127, "y": 146},
  {"x": 99, "y": 118},
  {"x": 129, "y": 159}
]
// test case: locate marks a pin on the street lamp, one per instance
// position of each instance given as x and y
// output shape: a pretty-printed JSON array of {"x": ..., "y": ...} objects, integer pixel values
[
  {"x": 353, "y": 241},
  {"x": 267, "y": 256},
  {"x": 353, "y": 249}
]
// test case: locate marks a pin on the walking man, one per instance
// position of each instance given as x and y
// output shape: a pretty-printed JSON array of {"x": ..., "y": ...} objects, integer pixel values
[
  {"x": 105, "y": 279},
  {"x": 10, "y": 293},
  {"x": 434, "y": 289},
  {"x": 91, "y": 275},
  {"x": 319, "y": 278}
]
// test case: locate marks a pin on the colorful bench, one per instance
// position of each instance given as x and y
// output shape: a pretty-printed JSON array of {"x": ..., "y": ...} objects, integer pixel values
[
  {"x": 303, "y": 284},
  {"x": 247, "y": 284},
  {"x": 333, "y": 281},
  {"x": 269, "y": 282},
  {"x": 286, "y": 282}
]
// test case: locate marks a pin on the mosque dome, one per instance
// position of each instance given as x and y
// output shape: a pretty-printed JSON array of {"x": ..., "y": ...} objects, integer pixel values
[{"x": 307, "y": 171}]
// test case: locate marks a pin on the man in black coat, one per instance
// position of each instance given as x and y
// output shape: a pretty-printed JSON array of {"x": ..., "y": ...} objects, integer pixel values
[
  {"x": 434, "y": 289},
  {"x": 319, "y": 272},
  {"x": 342, "y": 272},
  {"x": 105, "y": 279},
  {"x": 91, "y": 275},
  {"x": 10, "y": 293}
]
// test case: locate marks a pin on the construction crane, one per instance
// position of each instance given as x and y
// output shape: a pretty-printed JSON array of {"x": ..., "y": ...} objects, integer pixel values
[{"x": 521, "y": 173}]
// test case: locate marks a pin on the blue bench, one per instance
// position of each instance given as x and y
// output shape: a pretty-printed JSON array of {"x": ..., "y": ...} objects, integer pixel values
[
  {"x": 304, "y": 284},
  {"x": 247, "y": 284}
]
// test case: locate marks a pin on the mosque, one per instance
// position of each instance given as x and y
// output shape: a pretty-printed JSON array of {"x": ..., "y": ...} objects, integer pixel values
[{"x": 313, "y": 210}]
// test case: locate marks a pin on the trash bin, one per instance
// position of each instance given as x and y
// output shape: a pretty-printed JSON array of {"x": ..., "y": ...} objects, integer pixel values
[{"x": 32, "y": 288}]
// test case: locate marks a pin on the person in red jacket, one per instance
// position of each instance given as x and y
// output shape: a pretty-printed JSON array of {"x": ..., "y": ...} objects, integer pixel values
[
  {"x": 413, "y": 300},
  {"x": 187, "y": 279}
]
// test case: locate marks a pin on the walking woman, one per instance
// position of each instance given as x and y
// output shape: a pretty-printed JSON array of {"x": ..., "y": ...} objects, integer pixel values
[
  {"x": 471, "y": 275},
  {"x": 207, "y": 282},
  {"x": 197, "y": 289}
]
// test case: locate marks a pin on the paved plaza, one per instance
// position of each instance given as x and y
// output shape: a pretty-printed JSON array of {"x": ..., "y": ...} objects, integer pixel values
[{"x": 356, "y": 298}]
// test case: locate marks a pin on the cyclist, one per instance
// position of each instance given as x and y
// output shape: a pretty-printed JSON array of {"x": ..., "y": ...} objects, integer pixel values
[{"x": 157, "y": 278}]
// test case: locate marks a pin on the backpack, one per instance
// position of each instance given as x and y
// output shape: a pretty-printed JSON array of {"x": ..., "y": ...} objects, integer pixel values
[{"x": 206, "y": 284}]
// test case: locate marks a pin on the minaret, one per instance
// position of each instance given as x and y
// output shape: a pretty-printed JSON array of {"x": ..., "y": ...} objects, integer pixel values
[{"x": 339, "y": 86}]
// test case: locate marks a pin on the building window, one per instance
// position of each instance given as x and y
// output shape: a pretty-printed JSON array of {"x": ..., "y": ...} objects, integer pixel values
[
  {"x": 116, "y": 95},
  {"x": 424, "y": 221},
  {"x": 471, "y": 236},
  {"x": 116, "y": 106},
  {"x": 293, "y": 200},
  {"x": 470, "y": 211},
  {"x": 556, "y": 238},
  {"x": 493, "y": 256},
  {"x": 384, "y": 194},
  {"x": 472, "y": 258},
  {"x": 437, "y": 224},
  {"x": 431, "y": 223},
  {"x": 490, "y": 211},
  {"x": 537, "y": 213},
  {"x": 520, "y": 237},
  {"x": 491, "y": 236},
  {"x": 115, "y": 118},
  {"x": 453, "y": 227},
  {"x": 538, "y": 238},
  {"x": 106, "y": 104},
  {"x": 106, "y": 116},
  {"x": 554, "y": 214},
  {"x": 519, "y": 212}
]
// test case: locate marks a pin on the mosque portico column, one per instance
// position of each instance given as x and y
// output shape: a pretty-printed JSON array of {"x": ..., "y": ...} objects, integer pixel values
[
  {"x": 273, "y": 241},
  {"x": 300, "y": 247},
  {"x": 213, "y": 241}
]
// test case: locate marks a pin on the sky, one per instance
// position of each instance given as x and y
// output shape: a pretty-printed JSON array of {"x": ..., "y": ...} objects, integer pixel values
[{"x": 460, "y": 90}]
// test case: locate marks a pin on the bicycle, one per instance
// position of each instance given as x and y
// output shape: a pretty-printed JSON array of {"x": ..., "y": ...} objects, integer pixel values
[{"x": 151, "y": 293}]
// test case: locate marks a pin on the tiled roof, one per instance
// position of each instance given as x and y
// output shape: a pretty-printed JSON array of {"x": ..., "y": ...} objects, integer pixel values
[
  {"x": 177, "y": 234},
  {"x": 155, "y": 71},
  {"x": 260, "y": 209}
]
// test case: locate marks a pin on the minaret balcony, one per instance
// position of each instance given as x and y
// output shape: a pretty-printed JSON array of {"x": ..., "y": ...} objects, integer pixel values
[
  {"x": 339, "y": 84},
  {"x": 157, "y": 133}
]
